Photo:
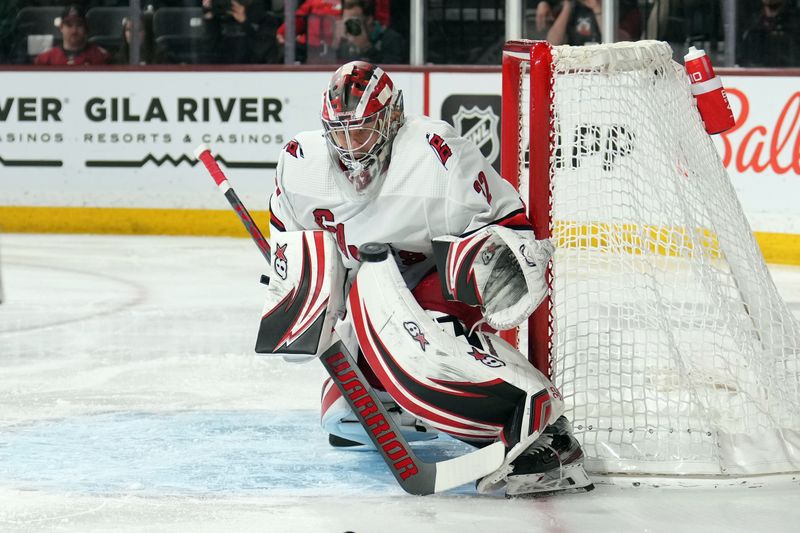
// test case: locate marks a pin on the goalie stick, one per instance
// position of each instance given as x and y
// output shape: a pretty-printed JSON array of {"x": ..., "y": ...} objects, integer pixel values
[
  {"x": 414, "y": 475},
  {"x": 204, "y": 155}
]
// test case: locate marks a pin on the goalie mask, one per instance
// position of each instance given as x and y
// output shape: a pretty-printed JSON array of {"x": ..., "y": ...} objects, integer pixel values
[{"x": 361, "y": 113}]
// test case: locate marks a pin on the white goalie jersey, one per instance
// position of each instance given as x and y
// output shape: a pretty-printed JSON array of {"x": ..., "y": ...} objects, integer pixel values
[{"x": 437, "y": 184}]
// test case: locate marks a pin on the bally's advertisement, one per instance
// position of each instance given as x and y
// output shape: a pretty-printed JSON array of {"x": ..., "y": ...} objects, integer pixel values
[{"x": 124, "y": 140}]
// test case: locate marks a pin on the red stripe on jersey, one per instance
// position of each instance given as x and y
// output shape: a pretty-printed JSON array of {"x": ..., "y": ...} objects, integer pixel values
[
  {"x": 275, "y": 221},
  {"x": 514, "y": 220}
]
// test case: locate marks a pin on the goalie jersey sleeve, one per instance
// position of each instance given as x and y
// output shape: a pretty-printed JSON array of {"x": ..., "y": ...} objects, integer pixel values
[
  {"x": 477, "y": 196},
  {"x": 281, "y": 214}
]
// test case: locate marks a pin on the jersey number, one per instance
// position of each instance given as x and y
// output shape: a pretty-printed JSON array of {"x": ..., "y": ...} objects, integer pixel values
[
  {"x": 481, "y": 185},
  {"x": 324, "y": 219}
]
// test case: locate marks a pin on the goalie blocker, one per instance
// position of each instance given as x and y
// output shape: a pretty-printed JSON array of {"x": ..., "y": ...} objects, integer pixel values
[{"x": 305, "y": 296}]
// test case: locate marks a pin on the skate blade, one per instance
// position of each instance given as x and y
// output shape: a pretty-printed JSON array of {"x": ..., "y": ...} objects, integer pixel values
[
  {"x": 494, "y": 481},
  {"x": 546, "y": 493}
]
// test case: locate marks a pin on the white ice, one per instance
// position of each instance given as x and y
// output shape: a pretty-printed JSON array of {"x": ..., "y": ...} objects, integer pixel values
[{"x": 131, "y": 400}]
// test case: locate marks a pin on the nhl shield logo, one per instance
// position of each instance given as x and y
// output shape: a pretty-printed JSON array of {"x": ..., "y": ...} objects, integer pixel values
[{"x": 479, "y": 125}]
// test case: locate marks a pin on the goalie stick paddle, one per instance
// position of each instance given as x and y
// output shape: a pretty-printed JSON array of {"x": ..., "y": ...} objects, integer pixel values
[{"x": 413, "y": 475}]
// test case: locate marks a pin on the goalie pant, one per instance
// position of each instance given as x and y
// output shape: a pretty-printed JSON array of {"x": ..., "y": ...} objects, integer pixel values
[{"x": 477, "y": 389}]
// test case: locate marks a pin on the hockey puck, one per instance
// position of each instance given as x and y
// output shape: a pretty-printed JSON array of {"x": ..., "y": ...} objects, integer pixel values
[{"x": 373, "y": 252}]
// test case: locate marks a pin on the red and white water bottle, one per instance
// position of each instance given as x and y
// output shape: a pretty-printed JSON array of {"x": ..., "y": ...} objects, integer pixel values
[{"x": 712, "y": 102}]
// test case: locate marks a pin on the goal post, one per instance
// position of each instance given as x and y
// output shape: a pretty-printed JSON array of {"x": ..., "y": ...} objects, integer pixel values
[{"x": 663, "y": 329}]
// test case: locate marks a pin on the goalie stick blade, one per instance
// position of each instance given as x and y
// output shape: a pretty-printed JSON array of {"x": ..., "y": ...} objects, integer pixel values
[
  {"x": 469, "y": 467},
  {"x": 413, "y": 475}
]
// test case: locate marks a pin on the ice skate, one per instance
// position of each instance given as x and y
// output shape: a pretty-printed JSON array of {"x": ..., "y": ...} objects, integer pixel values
[{"x": 554, "y": 462}]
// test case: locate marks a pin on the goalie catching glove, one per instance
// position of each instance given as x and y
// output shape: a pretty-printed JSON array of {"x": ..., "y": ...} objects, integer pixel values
[{"x": 497, "y": 268}]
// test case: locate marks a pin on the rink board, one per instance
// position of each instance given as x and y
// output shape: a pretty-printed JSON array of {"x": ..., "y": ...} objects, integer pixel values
[{"x": 124, "y": 141}]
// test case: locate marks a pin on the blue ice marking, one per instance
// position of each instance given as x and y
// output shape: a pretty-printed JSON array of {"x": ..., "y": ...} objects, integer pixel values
[{"x": 195, "y": 452}]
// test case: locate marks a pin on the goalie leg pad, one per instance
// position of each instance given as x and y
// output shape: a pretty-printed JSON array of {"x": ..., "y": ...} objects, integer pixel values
[
  {"x": 474, "y": 393},
  {"x": 337, "y": 418},
  {"x": 305, "y": 295}
]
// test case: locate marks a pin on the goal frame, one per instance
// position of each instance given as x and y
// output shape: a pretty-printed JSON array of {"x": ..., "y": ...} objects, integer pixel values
[
  {"x": 686, "y": 364},
  {"x": 539, "y": 200}
]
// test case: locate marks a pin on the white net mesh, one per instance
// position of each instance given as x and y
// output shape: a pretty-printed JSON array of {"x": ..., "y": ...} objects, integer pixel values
[{"x": 672, "y": 348}]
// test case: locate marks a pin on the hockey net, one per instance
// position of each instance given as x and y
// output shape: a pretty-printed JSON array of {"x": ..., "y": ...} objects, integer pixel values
[{"x": 664, "y": 331}]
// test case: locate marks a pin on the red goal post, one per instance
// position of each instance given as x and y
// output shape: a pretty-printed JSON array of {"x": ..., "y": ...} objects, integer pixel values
[{"x": 537, "y": 56}]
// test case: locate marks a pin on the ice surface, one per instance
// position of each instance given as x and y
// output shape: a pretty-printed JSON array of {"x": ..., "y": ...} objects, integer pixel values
[{"x": 131, "y": 400}]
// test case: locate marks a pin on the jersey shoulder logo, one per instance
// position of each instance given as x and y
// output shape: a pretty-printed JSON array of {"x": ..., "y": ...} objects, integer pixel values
[
  {"x": 440, "y": 148},
  {"x": 294, "y": 149}
]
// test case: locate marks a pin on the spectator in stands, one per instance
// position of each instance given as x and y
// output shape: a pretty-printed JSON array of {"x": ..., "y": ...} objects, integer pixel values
[
  {"x": 315, "y": 22},
  {"x": 366, "y": 39},
  {"x": 543, "y": 20},
  {"x": 75, "y": 48},
  {"x": 239, "y": 31},
  {"x": 149, "y": 53},
  {"x": 8, "y": 12},
  {"x": 579, "y": 21},
  {"x": 772, "y": 37}
]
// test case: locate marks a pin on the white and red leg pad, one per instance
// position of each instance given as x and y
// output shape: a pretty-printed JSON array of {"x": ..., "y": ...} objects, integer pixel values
[
  {"x": 474, "y": 393},
  {"x": 305, "y": 295},
  {"x": 339, "y": 419}
]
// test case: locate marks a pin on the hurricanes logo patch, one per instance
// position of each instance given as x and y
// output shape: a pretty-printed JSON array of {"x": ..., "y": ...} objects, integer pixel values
[
  {"x": 281, "y": 266},
  {"x": 294, "y": 149},
  {"x": 443, "y": 152},
  {"x": 489, "y": 360},
  {"x": 413, "y": 329}
]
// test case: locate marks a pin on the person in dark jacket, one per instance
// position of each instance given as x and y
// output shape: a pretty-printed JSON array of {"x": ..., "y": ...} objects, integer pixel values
[
  {"x": 149, "y": 53},
  {"x": 365, "y": 39},
  {"x": 239, "y": 31},
  {"x": 772, "y": 37},
  {"x": 75, "y": 48}
]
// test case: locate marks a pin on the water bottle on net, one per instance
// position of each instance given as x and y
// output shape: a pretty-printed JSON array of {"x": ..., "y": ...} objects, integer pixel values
[{"x": 712, "y": 102}]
